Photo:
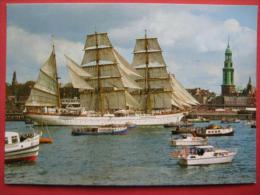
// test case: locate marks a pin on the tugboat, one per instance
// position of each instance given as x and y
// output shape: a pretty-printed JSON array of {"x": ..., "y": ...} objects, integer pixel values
[
  {"x": 204, "y": 155},
  {"x": 100, "y": 130},
  {"x": 23, "y": 147}
]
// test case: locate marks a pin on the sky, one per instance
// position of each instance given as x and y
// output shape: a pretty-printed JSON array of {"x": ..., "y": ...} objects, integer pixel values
[{"x": 193, "y": 37}]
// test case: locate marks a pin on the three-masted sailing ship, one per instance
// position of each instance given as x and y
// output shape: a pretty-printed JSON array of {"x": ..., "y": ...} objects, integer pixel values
[{"x": 111, "y": 90}]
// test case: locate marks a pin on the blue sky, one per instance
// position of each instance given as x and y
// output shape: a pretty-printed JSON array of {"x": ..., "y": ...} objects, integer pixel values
[{"x": 193, "y": 37}]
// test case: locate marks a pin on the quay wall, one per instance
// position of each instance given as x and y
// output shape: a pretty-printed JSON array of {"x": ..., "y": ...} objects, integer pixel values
[{"x": 220, "y": 116}]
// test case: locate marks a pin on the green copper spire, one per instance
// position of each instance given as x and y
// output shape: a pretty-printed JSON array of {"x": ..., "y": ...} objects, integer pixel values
[{"x": 228, "y": 70}]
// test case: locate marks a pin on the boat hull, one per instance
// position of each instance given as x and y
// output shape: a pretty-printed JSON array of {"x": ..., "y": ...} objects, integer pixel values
[
  {"x": 28, "y": 154},
  {"x": 207, "y": 160},
  {"x": 98, "y": 121},
  {"x": 112, "y": 132},
  {"x": 188, "y": 143}
]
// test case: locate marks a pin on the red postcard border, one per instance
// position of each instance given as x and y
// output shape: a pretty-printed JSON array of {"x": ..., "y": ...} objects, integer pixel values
[{"x": 183, "y": 190}]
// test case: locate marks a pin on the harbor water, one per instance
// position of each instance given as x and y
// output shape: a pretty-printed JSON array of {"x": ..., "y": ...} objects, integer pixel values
[{"x": 142, "y": 157}]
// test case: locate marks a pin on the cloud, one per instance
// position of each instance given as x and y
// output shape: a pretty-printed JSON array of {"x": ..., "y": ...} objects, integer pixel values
[
  {"x": 192, "y": 39},
  {"x": 28, "y": 51}
]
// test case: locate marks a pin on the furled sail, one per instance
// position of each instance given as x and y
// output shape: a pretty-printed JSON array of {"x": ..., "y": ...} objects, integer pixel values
[
  {"x": 45, "y": 92},
  {"x": 111, "y": 76}
]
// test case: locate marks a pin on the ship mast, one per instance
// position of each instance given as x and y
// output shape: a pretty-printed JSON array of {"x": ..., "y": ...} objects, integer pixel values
[
  {"x": 57, "y": 78},
  {"x": 99, "y": 86},
  {"x": 147, "y": 85}
]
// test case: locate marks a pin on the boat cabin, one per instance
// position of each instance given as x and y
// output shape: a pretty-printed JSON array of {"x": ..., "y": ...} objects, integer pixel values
[
  {"x": 200, "y": 150},
  {"x": 12, "y": 138}
]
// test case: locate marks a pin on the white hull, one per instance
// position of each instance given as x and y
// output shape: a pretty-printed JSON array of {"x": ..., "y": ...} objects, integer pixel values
[
  {"x": 206, "y": 160},
  {"x": 145, "y": 120},
  {"x": 188, "y": 142},
  {"x": 26, "y": 150}
]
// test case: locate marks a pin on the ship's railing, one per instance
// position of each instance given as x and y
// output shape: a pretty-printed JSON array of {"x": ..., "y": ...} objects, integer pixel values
[{"x": 67, "y": 101}]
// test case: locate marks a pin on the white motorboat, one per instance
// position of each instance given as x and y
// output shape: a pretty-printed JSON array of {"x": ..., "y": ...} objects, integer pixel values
[
  {"x": 188, "y": 140},
  {"x": 23, "y": 147},
  {"x": 205, "y": 155}
]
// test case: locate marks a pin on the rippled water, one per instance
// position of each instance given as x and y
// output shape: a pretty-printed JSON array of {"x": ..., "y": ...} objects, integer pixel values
[{"x": 139, "y": 158}]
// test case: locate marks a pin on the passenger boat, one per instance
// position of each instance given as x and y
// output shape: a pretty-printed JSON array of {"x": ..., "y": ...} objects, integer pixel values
[
  {"x": 100, "y": 130},
  {"x": 205, "y": 155},
  {"x": 180, "y": 124},
  {"x": 188, "y": 140},
  {"x": 23, "y": 147},
  {"x": 214, "y": 130}
]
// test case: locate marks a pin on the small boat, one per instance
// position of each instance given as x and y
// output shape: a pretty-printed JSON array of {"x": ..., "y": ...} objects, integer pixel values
[
  {"x": 46, "y": 140},
  {"x": 100, "y": 130},
  {"x": 204, "y": 155},
  {"x": 189, "y": 140},
  {"x": 180, "y": 124},
  {"x": 24, "y": 147},
  {"x": 45, "y": 137},
  {"x": 198, "y": 120},
  {"x": 214, "y": 130}
]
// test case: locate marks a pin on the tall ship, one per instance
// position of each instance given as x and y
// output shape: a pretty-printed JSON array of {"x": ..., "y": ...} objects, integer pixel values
[{"x": 111, "y": 90}]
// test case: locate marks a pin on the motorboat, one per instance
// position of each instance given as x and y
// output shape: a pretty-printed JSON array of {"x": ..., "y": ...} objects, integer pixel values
[
  {"x": 205, "y": 155},
  {"x": 188, "y": 140},
  {"x": 24, "y": 147},
  {"x": 100, "y": 130},
  {"x": 214, "y": 130}
]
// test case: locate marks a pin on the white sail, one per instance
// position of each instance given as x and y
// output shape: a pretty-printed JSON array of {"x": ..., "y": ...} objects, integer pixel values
[
  {"x": 152, "y": 45},
  {"x": 77, "y": 75},
  {"x": 182, "y": 92},
  {"x": 99, "y": 39},
  {"x": 160, "y": 89},
  {"x": 155, "y": 59},
  {"x": 45, "y": 91},
  {"x": 111, "y": 76}
]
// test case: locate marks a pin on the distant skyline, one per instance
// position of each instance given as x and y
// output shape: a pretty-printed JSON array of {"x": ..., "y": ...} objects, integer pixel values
[{"x": 193, "y": 37}]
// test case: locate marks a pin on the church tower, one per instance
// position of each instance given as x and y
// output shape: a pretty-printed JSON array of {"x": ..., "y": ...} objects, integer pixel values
[
  {"x": 14, "y": 84},
  {"x": 228, "y": 87}
]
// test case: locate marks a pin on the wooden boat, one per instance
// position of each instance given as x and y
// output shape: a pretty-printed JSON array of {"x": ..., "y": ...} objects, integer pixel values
[
  {"x": 204, "y": 155},
  {"x": 100, "y": 130},
  {"x": 23, "y": 147}
]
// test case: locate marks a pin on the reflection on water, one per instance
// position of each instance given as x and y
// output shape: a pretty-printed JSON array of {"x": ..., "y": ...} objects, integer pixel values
[{"x": 139, "y": 158}]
